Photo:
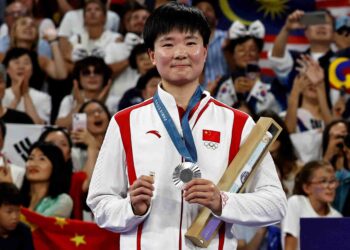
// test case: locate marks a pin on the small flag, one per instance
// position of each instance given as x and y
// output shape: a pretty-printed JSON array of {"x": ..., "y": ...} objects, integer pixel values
[{"x": 211, "y": 135}]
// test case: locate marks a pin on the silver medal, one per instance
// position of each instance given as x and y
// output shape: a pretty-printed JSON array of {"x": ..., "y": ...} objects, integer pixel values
[{"x": 185, "y": 172}]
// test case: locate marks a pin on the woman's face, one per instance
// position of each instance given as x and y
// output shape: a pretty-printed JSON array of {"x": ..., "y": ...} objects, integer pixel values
[
  {"x": 246, "y": 53},
  {"x": 151, "y": 87},
  {"x": 97, "y": 119},
  {"x": 60, "y": 140},
  {"x": 322, "y": 185},
  {"x": 143, "y": 63},
  {"x": 20, "y": 68},
  {"x": 38, "y": 167},
  {"x": 94, "y": 14},
  {"x": 26, "y": 30},
  {"x": 91, "y": 79}
]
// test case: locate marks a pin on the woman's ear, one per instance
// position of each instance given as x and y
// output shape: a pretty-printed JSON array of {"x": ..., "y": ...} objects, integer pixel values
[
  {"x": 151, "y": 56},
  {"x": 307, "y": 188}
]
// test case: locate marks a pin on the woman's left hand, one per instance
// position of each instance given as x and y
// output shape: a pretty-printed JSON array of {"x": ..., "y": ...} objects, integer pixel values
[{"x": 205, "y": 193}]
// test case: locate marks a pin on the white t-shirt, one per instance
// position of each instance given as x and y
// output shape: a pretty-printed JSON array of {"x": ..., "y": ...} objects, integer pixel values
[
  {"x": 73, "y": 23},
  {"x": 41, "y": 101},
  {"x": 299, "y": 206}
]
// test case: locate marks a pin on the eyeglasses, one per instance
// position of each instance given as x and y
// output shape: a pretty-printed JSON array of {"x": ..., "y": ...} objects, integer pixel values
[
  {"x": 94, "y": 112},
  {"x": 326, "y": 183},
  {"x": 88, "y": 72}
]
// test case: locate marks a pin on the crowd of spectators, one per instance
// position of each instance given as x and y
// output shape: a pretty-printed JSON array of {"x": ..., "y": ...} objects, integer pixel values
[{"x": 88, "y": 57}]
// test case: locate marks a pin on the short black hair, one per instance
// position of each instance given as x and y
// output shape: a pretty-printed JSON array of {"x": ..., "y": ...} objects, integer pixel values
[
  {"x": 96, "y": 62},
  {"x": 9, "y": 194},
  {"x": 38, "y": 76},
  {"x": 102, "y": 4},
  {"x": 143, "y": 80},
  {"x": 175, "y": 16},
  {"x": 137, "y": 50}
]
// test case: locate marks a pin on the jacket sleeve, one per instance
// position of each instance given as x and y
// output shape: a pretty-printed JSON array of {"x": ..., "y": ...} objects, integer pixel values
[
  {"x": 107, "y": 197},
  {"x": 264, "y": 202}
]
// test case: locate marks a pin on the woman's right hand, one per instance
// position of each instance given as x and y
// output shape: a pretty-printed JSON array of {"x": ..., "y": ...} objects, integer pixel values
[
  {"x": 77, "y": 95},
  {"x": 243, "y": 84},
  {"x": 141, "y": 192},
  {"x": 293, "y": 20},
  {"x": 333, "y": 147}
]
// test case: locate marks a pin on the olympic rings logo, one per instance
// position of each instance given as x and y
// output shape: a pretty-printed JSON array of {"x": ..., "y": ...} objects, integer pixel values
[{"x": 211, "y": 145}]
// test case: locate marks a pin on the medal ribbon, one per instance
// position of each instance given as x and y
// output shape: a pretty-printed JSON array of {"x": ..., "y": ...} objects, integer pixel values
[{"x": 185, "y": 146}]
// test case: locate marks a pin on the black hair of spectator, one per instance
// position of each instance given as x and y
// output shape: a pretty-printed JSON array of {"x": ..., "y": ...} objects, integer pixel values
[
  {"x": 234, "y": 42},
  {"x": 37, "y": 79},
  {"x": 213, "y": 3},
  {"x": 68, "y": 168},
  {"x": 305, "y": 174},
  {"x": 137, "y": 50},
  {"x": 2, "y": 128},
  {"x": 286, "y": 155},
  {"x": 97, "y": 63},
  {"x": 101, "y": 3},
  {"x": 103, "y": 106},
  {"x": 9, "y": 194},
  {"x": 57, "y": 179},
  {"x": 143, "y": 80},
  {"x": 177, "y": 16}
]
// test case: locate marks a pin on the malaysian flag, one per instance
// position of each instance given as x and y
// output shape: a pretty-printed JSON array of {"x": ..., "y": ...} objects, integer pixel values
[{"x": 273, "y": 14}]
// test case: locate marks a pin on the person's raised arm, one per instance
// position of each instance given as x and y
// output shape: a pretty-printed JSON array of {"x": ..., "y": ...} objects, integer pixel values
[{"x": 292, "y": 22}]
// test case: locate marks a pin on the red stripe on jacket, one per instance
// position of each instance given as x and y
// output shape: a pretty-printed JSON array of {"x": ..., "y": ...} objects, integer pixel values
[{"x": 123, "y": 120}]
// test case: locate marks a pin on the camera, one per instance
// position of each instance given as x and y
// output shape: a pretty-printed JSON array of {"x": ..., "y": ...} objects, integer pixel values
[{"x": 346, "y": 141}]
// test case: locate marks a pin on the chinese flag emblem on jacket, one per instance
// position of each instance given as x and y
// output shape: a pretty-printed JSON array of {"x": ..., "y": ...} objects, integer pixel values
[{"x": 59, "y": 233}]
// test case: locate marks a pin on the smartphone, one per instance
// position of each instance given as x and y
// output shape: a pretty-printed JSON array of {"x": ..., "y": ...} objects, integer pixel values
[
  {"x": 79, "y": 121},
  {"x": 313, "y": 18},
  {"x": 252, "y": 70}
]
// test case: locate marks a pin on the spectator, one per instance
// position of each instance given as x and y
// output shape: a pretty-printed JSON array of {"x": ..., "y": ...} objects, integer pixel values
[
  {"x": 42, "y": 189},
  {"x": 92, "y": 137},
  {"x": 118, "y": 53},
  {"x": 246, "y": 86},
  {"x": 91, "y": 81},
  {"x": 13, "y": 234},
  {"x": 9, "y": 115},
  {"x": 94, "y": 38},
  {"x": 313, "y": 112},
  {"x": 320, "y": 37},
  {"x": 336, "y": 150},
  {"x": 215, "y": 65},
  {"x": 314, "y": 191},
  {"x": 145, "y": 88},
  {"x": 77, "y": 179},
  {"x": 342, "y": 34},
  {"x": 76, "y": 17},
  {"x": 21, "y": 67}
]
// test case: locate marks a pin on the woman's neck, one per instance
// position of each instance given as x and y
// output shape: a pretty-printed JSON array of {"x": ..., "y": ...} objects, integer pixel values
[
  {"x": 95, "y": 32},
  {"x": 38, "y": 191},
  {"x": 181, "y": 93},
  {"x": 321, "y": 208},
  {"x": 312, "y": 106},
  {"x": 24, "y": 44},
  {"x": 88, "y": 94}
]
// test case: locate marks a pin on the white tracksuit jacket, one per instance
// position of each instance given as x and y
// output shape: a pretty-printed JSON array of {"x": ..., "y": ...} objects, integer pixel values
[{"x": 137, "y": 142}]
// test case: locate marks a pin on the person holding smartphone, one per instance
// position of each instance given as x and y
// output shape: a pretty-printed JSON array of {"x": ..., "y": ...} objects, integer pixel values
[
  {"x": 246, "y": 88},
  {"x": 319, "y": 31}
]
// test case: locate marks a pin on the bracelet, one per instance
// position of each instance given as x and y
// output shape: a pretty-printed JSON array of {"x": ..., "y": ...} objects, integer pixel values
[{"x": 54, "y": 40}]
